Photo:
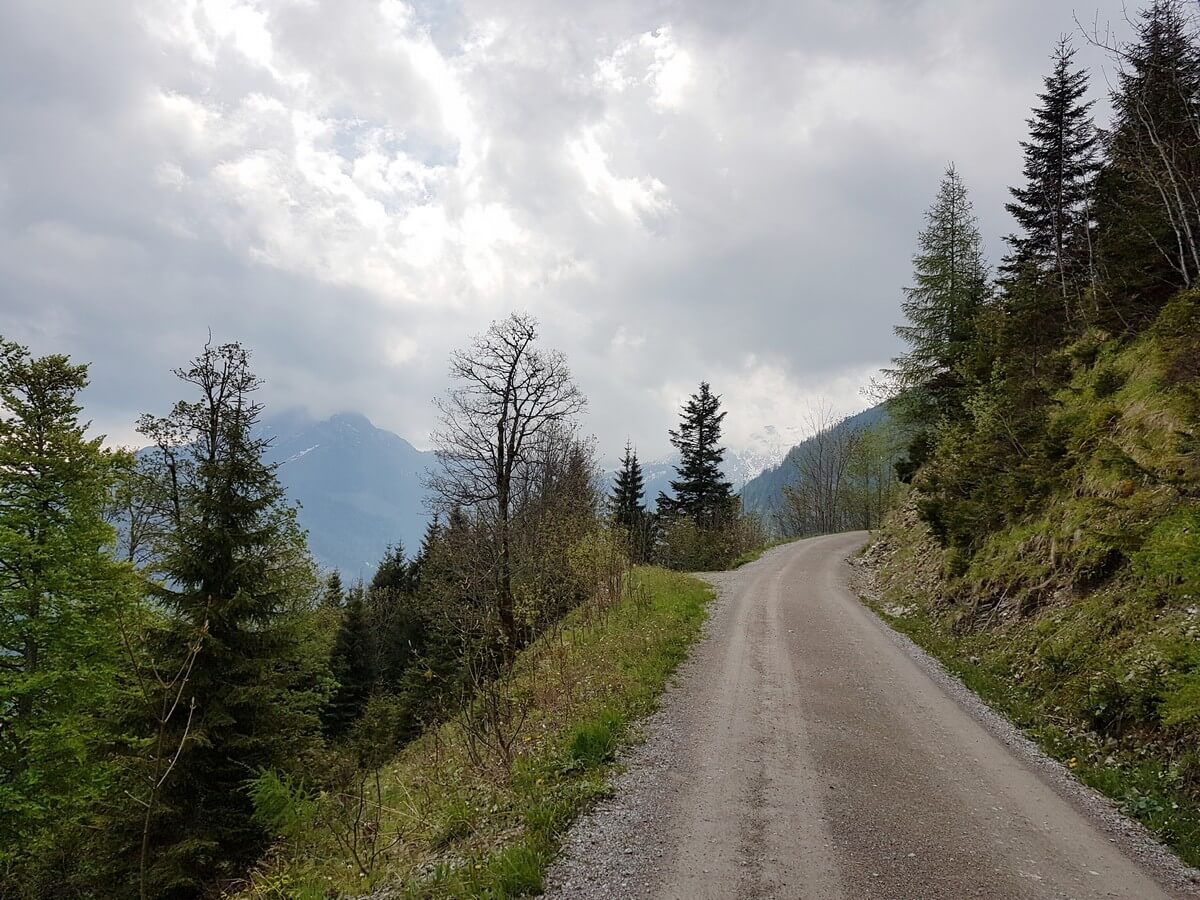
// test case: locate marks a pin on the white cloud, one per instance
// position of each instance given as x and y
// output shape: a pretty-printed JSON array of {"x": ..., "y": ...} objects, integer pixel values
[{"x": 678, "y": 191}]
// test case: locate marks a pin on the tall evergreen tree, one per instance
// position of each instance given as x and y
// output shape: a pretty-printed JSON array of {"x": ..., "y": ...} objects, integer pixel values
[
  {"x": 1148, "y": 203},
  {"x": 352, "y": 665},
  {"x": 394, "y": 571},
  {"x": 701, "y": 491},
  {"x": 61, "y": 596},
  {"x": 629, "y": 510},
  {"x": 1053, "y": 206},
  {"x": 396, "y": 623},
  {"x": 629, "y": 489},
  {"x": 230, "y": 555},
  {"x": 335, "y": 594},
  {"x": 948, "y": 293}
]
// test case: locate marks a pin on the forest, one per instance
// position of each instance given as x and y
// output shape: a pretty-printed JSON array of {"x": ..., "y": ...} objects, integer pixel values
[
  {"x": 1048, "y": 546},
  {"x": 173, "y": 662}
]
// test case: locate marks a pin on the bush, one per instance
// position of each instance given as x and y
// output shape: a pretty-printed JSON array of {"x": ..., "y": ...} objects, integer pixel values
[{"x": 686, "y": 546}]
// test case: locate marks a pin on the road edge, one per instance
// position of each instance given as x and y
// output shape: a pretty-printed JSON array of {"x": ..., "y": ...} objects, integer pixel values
[{"x": 1129, "y": 835}]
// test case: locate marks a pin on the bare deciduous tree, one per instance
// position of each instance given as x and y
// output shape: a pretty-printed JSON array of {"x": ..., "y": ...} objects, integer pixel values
[{"x": 508, "y": 395}]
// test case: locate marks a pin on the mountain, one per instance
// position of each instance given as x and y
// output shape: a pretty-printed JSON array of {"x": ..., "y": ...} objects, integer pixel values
[
  {"x": 360, "y": 488},
  {"x": 764, "y": 494}
]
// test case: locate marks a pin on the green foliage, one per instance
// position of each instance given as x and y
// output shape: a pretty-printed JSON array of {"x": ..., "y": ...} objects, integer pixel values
[
  {"x": 701, "y": 492},
  {"x": 628, "y": 506},
  {"x": 594, "y": 743},
  {"x": 686, "y": 546},
  {"x": 948, "y": 292},
  {"x": 453, "y": 829},
  {"x": 1168, "y": 563},
  {"x": 62, "y": 599},
  {"x": 233, "y": 563}
]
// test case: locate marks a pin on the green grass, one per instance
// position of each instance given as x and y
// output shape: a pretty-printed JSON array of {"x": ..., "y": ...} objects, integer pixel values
[{"x": 466, "y": 828}]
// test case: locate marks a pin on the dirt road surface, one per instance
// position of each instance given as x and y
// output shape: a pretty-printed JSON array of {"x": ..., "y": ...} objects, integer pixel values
[{"x": 807, "y": 751}]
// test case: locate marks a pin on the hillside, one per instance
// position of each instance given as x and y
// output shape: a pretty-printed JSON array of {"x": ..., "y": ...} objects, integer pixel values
[
  {"x": 360, "y": 488},
  {"x": 1080, "y": 618},
  {"x": 763, "y": 494}
]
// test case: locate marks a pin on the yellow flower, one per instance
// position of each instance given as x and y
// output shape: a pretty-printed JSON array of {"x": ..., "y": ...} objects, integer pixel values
[{"x": 1072, "y": 762}]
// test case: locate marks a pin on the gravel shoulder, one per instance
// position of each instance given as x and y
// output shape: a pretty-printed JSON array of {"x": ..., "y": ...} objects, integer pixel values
[{"x": 807, "y": 750}]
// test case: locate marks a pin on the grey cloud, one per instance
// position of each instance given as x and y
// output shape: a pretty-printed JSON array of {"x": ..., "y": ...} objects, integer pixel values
[{"x": 757, "y": 220}]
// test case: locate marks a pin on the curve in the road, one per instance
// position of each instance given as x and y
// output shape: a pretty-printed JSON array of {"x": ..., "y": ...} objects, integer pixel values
[{"x": 810, "y": 752}]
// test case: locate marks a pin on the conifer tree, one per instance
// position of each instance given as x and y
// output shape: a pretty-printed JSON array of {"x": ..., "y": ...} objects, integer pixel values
[
  {"x": 394, "y": 571},
  {"x": 352, "y": 665},
  {"x": 231, "y": 556},
  {"x": 61, "y": 596},
  {"x": 394, "y": 616},
  {"x": 629, "y": 489},
  {"x": 629, "y": 510},
  {"x": 1148, "y": 199},
  {"x": 335, "y": 594},
  {"x": 701, "y": 491},
  {"x": 949, "y": 291},
  {"x": 1053, "y": 207}
]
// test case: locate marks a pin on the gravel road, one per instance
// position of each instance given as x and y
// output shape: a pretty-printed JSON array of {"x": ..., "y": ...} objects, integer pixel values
[{"x": 808, "y": 751}]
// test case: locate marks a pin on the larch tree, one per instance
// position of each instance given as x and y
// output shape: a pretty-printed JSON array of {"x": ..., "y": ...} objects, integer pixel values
[{"x": 950, "y": 288}]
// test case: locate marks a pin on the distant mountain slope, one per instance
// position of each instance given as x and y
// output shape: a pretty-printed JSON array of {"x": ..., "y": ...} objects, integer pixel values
[
  {"x": 360, "y": 487},
  {"x": 764, "y": 494}
]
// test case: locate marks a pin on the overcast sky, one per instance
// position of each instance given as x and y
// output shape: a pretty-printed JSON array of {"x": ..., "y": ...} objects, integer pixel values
[{"x": 677, "y": 190}]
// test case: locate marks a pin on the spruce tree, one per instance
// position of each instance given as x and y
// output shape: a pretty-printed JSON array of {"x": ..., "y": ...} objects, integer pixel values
[
  {"x": 629, "y": 510},
  {"x": 335, "y": 594},
  {"x": 62, "y": 597},
  {"x": 392, "y": 609},
  {"x": 949, "y": 291},
  {"x": 701, "y": 491},
  {"x": 352, "y": 665},
  {"x": 1053, "y": 206},
  {"x": 394, "y": 571},
  {"x": 1148, "y": 202},
  {"x": 230, "y": 556}
]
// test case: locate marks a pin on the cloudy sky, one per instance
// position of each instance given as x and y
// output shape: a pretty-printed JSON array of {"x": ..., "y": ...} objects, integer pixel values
[{"x": 677, "y": 190}]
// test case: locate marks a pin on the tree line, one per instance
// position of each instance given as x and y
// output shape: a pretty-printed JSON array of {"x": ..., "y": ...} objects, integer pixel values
[
  {"x": 1108, "y": 236},
  {"x": 175, "y": 671}
]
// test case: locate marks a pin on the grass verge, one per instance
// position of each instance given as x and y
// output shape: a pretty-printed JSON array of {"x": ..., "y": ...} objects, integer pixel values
[{"x": 462, "y": 816}]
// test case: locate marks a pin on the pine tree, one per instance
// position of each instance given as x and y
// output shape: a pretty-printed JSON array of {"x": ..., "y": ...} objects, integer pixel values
[
  {"x": 948, "y": 293},
  {"x": 352, "y": 665},
  {"x": 1148, "y": 202},
  {"x": 1053, "y": 207},
  {"x": 396, "y": 624},
  {"x": 231, "y": 555},
  {"x": 629, "y": 510},
  {"x": 62, "y": 595},
  {"x": 335, "y": 594},
  {"x": 394, "y": 571},
  {"x": 701, "y": 491}
]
